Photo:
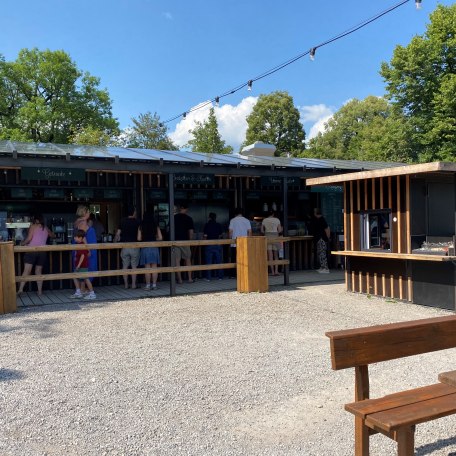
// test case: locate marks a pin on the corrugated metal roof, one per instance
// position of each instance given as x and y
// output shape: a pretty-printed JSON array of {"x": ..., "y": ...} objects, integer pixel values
[{"x": 181, "y": 156}]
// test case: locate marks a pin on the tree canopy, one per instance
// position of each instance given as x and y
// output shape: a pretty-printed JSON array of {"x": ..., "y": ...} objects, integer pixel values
[
  {"x": 275, "y": 120},
  {"x": 148, "y": 132},
  {"x": 206, "y": 137},
  {"x": 44, "y": 97},
  {"x": 421, "y": 84},
  {"x": 362, "y": 130}
]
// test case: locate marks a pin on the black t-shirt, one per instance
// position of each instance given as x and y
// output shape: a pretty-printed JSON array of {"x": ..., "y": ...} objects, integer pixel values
[
  {"x": 318, "y": 227},
  {"x": 149, "y": 229},
  {"x": 213, "y": 229},
  {"x": 129, "y": 229},
  {"x": 182, "y": 223}
]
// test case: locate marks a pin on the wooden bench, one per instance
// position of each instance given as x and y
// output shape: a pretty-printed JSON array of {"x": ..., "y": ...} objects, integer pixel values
[{"x": 394, "y": 415}]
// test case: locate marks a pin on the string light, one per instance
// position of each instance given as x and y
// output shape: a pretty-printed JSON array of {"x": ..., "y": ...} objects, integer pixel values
[
  {"x": 217, "y": 101},
  {"x": 311, "y": 54}
]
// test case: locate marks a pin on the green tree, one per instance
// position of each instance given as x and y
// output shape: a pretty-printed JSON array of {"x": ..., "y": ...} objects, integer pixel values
[
  {"x": 45, "y": 97},
  {"x": 206, "y": 137},
  {"x": 148, "y": 132},
  {"x": 421, "y": 80},
  {"x": 91, "y": 137},
  {"x": 275, "y": 120},
  {"x": 362, "y": 130}
]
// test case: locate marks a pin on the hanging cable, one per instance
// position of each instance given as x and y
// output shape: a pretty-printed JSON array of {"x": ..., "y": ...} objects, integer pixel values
[{"x": 311, "y": 53}]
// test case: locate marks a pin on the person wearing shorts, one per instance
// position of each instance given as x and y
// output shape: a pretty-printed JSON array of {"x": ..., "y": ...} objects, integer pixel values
[
  {"x": 183, "y": 231},
  {"x": 129, "y": 232}
]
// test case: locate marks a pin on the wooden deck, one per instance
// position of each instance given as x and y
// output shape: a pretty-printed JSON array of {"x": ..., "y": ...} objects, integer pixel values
[{"x": 119, "y": 293}]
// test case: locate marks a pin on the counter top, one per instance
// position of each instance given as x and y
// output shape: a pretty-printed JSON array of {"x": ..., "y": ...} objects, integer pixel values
[{"x": 395, "y": 256}]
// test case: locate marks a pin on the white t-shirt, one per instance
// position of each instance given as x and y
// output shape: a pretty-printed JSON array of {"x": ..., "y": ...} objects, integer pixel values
[
  {"x": 271, "y": 225},
  {"x": 240, "y": 226}
]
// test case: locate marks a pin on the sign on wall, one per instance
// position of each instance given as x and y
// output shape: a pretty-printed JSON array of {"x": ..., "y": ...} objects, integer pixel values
[
  {"x": 201, "y": 179},
  {"x": 53, "y": 174}
]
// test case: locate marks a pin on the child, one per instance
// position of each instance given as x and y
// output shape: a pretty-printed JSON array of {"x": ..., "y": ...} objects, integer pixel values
[{"x": 81, "y": 264}]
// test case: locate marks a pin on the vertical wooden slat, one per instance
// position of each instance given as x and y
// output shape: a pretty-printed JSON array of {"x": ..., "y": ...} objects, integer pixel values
[
  {"x": 374, "y": 195},
  {"x": 7, "y": 278},
  {"x": 408, "y": 215},
  {"x": 358, "y": 195},
  {"x": 366, "y": 194},
  {"x": 392, "y": 295},
  {"x": 384, "y": 294},
  {"x": 351, "y": 217},
  {"x": 401, "y": 290},
  {"x": 399, "y": 215},
  {"x": 375, "y": 284},
  {"x": 381, "y": 194},
  {"x": 346, "y": 209},
  {"x": 410, "y": 289}
]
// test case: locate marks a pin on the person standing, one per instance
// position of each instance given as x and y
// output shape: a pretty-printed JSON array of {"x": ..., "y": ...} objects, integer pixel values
[
  {"x": 183, "y": 231},
  {"x": 129, "y": 232},
  {"x": 271, "y": 228},
  {"x": 239, "y": 226},
  {"x": 81, "y": 264},
  {"x": 319, "y": 229},
  {"x": 38, "y": 235},
  {"x": 213, "y": 253},
  {"x": 82, "y": 223},
  {"x": 149, "y": 256}
]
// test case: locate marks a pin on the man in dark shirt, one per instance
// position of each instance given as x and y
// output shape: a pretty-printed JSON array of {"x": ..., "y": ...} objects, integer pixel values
[
  {"x": 128, "y": 232},
  {"x": 213, "y": 253},
  {"x": 183, "y": 231}
]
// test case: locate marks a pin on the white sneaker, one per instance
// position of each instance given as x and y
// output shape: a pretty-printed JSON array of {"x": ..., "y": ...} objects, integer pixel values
[
  {"x": 146, "y": 287},
  {"x": 91, "y": 295},
  {"x": 77, "y": 295},
  {"x": 323, "y": 271}
]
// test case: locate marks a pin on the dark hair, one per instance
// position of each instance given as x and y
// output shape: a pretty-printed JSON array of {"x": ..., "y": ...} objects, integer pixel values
[
  {"x": 38, "y": 217},
  {"x": 149, "y": 227},
  {"x": 212, "y": 216},
  {"x": 317, "y": 211},
  {"x": 79, "y": 233},
  {"x": 238, "y": 211},
  {"x": 183, "y": 205},
  {"x": 130, "y": 210}
]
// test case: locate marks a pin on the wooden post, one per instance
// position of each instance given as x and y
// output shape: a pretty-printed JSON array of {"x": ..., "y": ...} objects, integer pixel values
[
  {"x": 252, "y": 265},
  {"x": 7, "y": 279}
]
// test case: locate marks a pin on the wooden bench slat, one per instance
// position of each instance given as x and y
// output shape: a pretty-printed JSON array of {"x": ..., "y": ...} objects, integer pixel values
[
  {"x": 364, "y": 408},
  {"x": 363, "y": 346},
  {"x": 391, "y": 420}
]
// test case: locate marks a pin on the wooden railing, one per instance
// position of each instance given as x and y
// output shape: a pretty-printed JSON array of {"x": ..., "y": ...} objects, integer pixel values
[{"x": 251, "y": 265}]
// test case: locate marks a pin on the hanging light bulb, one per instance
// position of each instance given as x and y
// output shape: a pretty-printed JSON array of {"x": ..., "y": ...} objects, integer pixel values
[
  {"x": 217, "y": 101},
  {"x": 184, "y": 115},
  {"x": 265, "y": 207},
  {"x": 312, "y": 54},
  {"x": 274, "y": 206},
  {"x": 418, "y": 4},
  {"x": 249, "y": 85}
]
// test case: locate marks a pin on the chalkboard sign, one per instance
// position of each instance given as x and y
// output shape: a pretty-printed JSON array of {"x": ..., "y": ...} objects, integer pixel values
[
  {"x": 54, "y": 193},
  {"x": 157, "y": 194},
  {"x": 21, "y": 193},
  {"x": 112, "y": 193},
  {"x": 80, "y": 193}
]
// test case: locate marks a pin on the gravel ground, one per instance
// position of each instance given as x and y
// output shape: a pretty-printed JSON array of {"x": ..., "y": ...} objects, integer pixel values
[{"x": 213, "y": 374}]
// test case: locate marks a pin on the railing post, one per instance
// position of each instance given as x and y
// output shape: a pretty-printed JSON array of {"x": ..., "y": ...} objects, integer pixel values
[
  {"x": 7, "y": 279},
  {"x": 252, "y": 264}
]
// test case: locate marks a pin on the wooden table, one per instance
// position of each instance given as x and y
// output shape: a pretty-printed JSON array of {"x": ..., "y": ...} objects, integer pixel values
[{"x": 448, "y": 377}]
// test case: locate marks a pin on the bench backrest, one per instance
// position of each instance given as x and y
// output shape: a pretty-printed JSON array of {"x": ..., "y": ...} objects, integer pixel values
[{"x": 363, "y": 346}]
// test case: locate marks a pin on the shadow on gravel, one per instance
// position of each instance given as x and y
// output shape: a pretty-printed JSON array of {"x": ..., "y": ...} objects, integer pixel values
[
  {"x": 431, "y": 447},
  {"x": 9, "y": 374}
]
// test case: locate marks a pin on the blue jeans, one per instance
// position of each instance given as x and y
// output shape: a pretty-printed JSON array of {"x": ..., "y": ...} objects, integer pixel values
[{"x": 213, "y": 255}]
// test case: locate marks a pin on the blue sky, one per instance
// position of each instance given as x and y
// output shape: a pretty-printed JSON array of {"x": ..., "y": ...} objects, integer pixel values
[{"x": 167, "y": 56}]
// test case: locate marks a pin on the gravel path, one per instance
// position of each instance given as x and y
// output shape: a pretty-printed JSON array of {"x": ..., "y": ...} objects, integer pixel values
[{"x": 214, "y": 374}]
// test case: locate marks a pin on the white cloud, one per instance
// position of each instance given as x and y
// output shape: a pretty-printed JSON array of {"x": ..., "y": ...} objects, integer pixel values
[
  {"x": 168, "y": 15},
  {"x": 231, "y": 122},
  {"x": 318, "y": 127},
  {"x": 314, "y": 118}
]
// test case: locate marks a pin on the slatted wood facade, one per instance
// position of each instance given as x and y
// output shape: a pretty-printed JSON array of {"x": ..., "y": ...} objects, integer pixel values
[{"x": 367, "y": 275}]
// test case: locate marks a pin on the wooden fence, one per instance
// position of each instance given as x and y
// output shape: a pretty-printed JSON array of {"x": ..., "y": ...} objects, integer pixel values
[{"x": 251, "y": 264}]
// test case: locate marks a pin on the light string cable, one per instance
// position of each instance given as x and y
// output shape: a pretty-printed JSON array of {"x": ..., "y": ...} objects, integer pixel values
[{"x": 279, "y": 67}]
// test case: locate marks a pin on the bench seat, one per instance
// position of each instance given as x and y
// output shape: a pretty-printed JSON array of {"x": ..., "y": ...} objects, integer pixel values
[{"x": 406, "y": 408}]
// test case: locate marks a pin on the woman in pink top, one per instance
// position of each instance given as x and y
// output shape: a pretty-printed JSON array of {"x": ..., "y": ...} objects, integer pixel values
[{"x": 37, "y": 235}]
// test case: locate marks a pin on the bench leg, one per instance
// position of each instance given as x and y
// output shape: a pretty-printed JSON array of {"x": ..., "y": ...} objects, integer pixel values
[
  {"x": 361, "y": 438},
  {"x": 406, "y": 441}
]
